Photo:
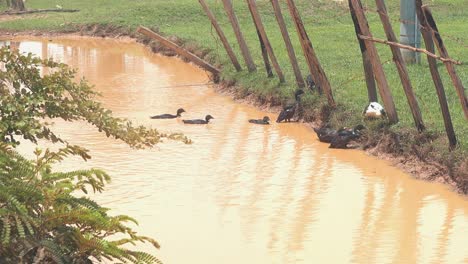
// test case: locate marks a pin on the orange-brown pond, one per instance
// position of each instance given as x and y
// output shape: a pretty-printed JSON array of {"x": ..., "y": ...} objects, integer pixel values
[{"x": 245, "y": 193}]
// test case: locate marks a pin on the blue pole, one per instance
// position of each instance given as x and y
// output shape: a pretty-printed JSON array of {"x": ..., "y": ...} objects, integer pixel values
[{"x": 409, "y": 30}]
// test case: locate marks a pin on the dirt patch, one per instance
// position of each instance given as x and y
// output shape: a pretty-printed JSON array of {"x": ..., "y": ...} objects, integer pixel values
[{"x": 412, "y": 152}]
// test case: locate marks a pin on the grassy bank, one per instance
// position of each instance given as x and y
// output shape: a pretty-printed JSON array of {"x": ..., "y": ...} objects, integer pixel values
[{"x": 332, "y": 33}]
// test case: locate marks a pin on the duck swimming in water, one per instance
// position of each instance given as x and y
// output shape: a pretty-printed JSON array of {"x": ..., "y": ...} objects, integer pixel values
[
  {"x": 344, "y": 136},
  {"x": 264, "y": 121},
  {"x": 169, "y": 116},
  {"x": 374, "y": 110},
  {"x": 199, "y": 121},
  {"x": 290, "y": 108}
]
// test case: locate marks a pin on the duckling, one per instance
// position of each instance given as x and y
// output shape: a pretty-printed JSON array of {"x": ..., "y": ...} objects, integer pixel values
[
  {"x": 344, "y": 136},
  {"x": 199, "y": 121},
  {"x": 264, "y": 121},
  {"x": 374, "y": 110},
  {"x": 169, "y": 116},
  {"x": 290, "y": 108},
  {"x": 312, "y": 85}
]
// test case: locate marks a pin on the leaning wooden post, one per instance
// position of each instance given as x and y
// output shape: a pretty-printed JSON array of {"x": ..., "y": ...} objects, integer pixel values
[
  {"x": 221, "y": 35},
  {"x": 266, "y": 61},
  {"x": 289, "y": 46},
  {"x": 382, "y": 83},
  {"x": 366, "y": 62},
  {"x": 401, "y": 66},
  {"x": 240, "y": 37},
  {"x": 259, "y": 25},
  {"x": 312, "y": 61},
  {"x": 439, "y": 85},
  {"x": 179, "y": 50},
  {"x": 444, "y": 53}
]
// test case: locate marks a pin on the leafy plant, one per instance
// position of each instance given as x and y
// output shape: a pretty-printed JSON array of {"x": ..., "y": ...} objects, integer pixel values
[{"x": 42, "y": 219}]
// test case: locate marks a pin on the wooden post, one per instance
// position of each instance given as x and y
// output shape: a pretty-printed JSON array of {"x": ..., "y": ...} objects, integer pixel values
[
  {"x": 426, "y": 34},
  {"x": 401, "y": 66},
  {"x": 179, "y": 50},
  {"x": 221, "y": 35},
  {"x": 240, "y": 37},
  {"x": 312, "y": 61},
  {"x": 265, "y": 56},
  {"x": 259, "y": 25},
  {"x": 444, "y": 53},
  {"x": 287, "y": 42},
  {"x": 366, "y": 62},
  {"x": 379, "y": 73}
]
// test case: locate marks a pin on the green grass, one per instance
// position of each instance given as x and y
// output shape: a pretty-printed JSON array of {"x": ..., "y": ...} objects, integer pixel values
[{"x": 329, "y": 27}]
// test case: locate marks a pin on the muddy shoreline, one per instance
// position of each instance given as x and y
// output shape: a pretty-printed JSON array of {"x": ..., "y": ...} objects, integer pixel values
[{"x": 411, "y": 153}]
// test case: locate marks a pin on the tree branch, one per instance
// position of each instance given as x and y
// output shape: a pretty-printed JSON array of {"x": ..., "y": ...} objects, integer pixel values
[{"x": 409, "y": 48}]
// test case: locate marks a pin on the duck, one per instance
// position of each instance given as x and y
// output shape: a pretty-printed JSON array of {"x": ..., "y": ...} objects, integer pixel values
[
  {"x": 374, "y": 110},
  {"x": 312, "y": 85},
  {"x": 338, "y": 137},
  {"x": 325, "y": 134},
  {"x": 344, "y": 136},
  {"x": 264, "y": 121},
  {"x": 199, "y": 121},
  {"x": 169, "y": 116},
  {"x": 290, "y": 108}
]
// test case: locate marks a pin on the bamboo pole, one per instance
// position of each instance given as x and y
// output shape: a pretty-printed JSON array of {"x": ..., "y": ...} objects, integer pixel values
[
  {"x": 259, "y": 25},
  {"x": 401, "y": 66},
  {"x": 179, "y": 50},
  {"x": 402, "y": 46},
  {"x": 315, "y": 68},
  {"x": 444, "y": 53},
  {"x": 439, "y": 85},
  {"x": 221, "y": 35},
  {"x": 39, "y": 11},
  {"x": 366, "y": 62},
  {"x": 379, "y": 73},
  {"x": 266, "y": 61},
  {"x": 239, "y": 36},
  {"x": 287, "y": 41}
]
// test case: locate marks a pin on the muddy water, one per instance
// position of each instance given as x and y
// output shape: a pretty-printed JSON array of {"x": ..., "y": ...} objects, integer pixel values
[{"x": 244, "y": 193}]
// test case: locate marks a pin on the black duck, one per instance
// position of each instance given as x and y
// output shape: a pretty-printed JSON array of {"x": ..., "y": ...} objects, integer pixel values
[
  {"x": 264, "y": 121},
  {"x": 290, "y": 108},
  {"x": 199, "y": 121},
  {"x": 169, "y": 116}
]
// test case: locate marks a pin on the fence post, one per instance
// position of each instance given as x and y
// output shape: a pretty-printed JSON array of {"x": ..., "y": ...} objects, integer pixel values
[
  {"x": 366, "y": 62},
  {"x": 287, "y": 41},
  {"x": 239, "y": 36},
  {"x": 382, "y": 83},
  {"x": 312, "y": 61},
  {"x": 401, "y": 66},
  {"x": 426, "y": 34},
  {"x": 259, "y": 25},
  {"x": 266, "y": 61},
  {"x": 444, "y": 53},
  {"x": 221, "y": 35}
]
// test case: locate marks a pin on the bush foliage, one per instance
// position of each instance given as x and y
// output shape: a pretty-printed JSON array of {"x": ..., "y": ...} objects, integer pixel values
[{"x": 42, "y": 217}]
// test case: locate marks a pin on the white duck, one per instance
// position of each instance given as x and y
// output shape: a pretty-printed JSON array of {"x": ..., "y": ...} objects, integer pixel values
[{"x": 374, "y": 110}]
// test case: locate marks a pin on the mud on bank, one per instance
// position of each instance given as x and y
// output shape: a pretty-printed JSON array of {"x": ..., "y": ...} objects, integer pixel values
[{"x": 415, "y": 153}]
